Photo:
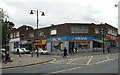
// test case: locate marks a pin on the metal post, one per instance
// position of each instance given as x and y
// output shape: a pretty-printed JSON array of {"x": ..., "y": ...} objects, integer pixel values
[
  {"x": 37, "y": 22},
  {"x": 37, "y": 29},
  {"x": 1, "y": 11},
  {"x": 103, "y": 37},
  {"x": 103, "y": 41}
]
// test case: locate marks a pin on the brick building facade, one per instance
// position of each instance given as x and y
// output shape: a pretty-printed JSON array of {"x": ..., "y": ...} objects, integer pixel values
[
  {"x": 84, "y": 36},
  {"x": 19, "y": 36}
]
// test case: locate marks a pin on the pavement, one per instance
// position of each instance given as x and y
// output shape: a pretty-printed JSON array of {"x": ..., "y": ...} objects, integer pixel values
[{"x": 25, "y": 60}]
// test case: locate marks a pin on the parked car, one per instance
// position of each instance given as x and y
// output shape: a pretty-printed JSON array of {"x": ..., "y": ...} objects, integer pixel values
[
  {"x": 3, "y": 49},
  {"x": 20, "y": 51},
  {"x": 41, "y": 51},
  {"x": 25, "y": 50}
]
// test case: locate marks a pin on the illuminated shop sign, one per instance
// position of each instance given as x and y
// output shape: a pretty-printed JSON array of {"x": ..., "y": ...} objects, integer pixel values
[
  {"x": 56, "y": 39},
  {"x": 67, "y": 38},
  {"x": 80, "y": 38}
]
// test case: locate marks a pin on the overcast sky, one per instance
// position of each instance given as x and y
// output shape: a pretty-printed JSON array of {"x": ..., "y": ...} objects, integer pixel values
[{"x": 61, "y": 11}]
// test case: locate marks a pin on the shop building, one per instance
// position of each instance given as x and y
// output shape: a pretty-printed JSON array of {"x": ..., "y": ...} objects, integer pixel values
[
  {"x": 72, "y": 35},
  {"x": 84, "y": 36},
  {"x": 19, "y": 37}
]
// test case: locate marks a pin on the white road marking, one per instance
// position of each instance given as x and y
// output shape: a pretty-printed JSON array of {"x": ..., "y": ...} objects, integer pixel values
[
  {"x": 72, "y": 60},
  {"x": 66, "y": 70},
  {"x": 89, "y": 60},
  {"x": 105, "y": 60}
]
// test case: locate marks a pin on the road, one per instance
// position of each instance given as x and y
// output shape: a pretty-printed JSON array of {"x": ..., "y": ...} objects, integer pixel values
[{"x": 75, "y": 64}]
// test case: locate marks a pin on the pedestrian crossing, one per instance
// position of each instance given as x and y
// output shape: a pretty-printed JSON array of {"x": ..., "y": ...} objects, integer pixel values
[
  {"x": 86, "y": 60},
  {"x": 70, "y": 60}
]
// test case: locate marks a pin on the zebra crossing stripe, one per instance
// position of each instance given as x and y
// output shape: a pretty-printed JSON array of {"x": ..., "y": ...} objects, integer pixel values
[{"x": 72, "y": 60}]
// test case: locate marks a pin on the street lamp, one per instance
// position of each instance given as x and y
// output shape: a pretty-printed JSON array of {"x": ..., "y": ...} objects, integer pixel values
[
  {"x": 103, "y": 33},
  {"x": 32, "y": 12},
  {"x": 37, "y": 12},
  {"x": 116, "y": 5},
  {"x": 1, "y": 11}
]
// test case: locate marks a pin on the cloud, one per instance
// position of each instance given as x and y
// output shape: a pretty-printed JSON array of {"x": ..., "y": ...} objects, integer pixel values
[{"x": 60, "y": 11}]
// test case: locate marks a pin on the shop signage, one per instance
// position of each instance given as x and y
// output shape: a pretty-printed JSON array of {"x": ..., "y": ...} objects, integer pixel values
[
  {"x": 80, "y": 38},
  {"x": 40, "y": 42},
  {"x": 70, "y": 38},
  {"x": 110, "y": 37},
  {"x": 56, "y": 39}
]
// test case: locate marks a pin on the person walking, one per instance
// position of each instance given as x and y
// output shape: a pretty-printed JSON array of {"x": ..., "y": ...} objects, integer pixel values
[
  {"x": 76, "y": 50},
  {"x": 65, "y": 52},
  {"x": 18, "y": 52},
  {"x": 108, "y": 49},
  {"x": 3, "y": 56}
]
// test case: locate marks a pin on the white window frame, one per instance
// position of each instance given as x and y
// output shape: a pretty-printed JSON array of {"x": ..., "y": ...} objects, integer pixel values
[{"x": 53, "y": 32}]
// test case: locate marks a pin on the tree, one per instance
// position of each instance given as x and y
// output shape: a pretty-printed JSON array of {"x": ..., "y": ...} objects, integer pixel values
[{"x": 6, "y": 28}]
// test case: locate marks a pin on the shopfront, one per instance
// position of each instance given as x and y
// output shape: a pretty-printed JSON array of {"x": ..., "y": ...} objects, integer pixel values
[
  {"x": 14, "y": 43},
  {"x": 112, "y": 40},
  {"x": 70, "y": 42},
  {"x": 40, "y": 43}
]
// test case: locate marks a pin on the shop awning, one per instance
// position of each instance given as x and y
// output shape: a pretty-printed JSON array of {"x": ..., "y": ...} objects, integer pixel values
[{"x": 100, "y": 41}]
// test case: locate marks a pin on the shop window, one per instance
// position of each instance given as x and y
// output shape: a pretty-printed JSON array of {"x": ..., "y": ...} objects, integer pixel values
[
  {"x": 16, "y": 44},
  {"x": 58, "y": 46}
]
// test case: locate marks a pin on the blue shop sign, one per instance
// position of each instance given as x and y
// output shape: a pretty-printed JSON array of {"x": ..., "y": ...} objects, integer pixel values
[
  {"x": 70, "y": 38},
  {"x": 56, "y": 39}
]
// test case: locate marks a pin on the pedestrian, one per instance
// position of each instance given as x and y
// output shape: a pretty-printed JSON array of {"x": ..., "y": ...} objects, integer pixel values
[
  {"x": 3, "y": 56},
  {"x": 18, "y": 52},
  {"x": 76, "y": 50},
  {"x": 73, "y": 51},
  {"x": 65, "y": 52},
  {"x": 6, "y": 54},
  {"x": 31, "y": 50},
  {"x": 108, "y": 49}
]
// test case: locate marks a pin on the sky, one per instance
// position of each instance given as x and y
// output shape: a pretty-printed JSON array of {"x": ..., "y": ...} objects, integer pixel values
[{"x": 61, "y": 11}]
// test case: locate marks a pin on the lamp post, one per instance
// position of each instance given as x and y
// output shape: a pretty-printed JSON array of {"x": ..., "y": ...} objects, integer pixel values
[
  {"x": 1, "y": 11},
  {"x": 103, "y": 33},
  {"x": 116, "y": 5},
  {"x": 37, "y": 12}
]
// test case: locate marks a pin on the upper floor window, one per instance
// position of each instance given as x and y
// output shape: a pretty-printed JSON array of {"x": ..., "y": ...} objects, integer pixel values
[
  {"x": 17, "y": 34},
  {"x": 14, "y": 35},
  {"x": 26, "y": 28},
  {"x": 79, "y": 29},
  {"x": 41, "y": 34},
  {"x": 97, "y": 31},
  {"x": 11, "y": 35},
  {"x": 112, "y": 32},
  {"x": 31, "y": 35},
  {"x": 53, "y": 32}
]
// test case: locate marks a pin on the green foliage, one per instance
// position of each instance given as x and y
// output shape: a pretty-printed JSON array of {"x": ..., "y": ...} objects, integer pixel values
[{"x": 6, "y": 28}]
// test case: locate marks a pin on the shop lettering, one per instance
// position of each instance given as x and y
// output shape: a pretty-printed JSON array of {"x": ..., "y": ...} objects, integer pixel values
[
  {"x": 80, "y": 38},
  {"x": 56, "y": 39}
]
